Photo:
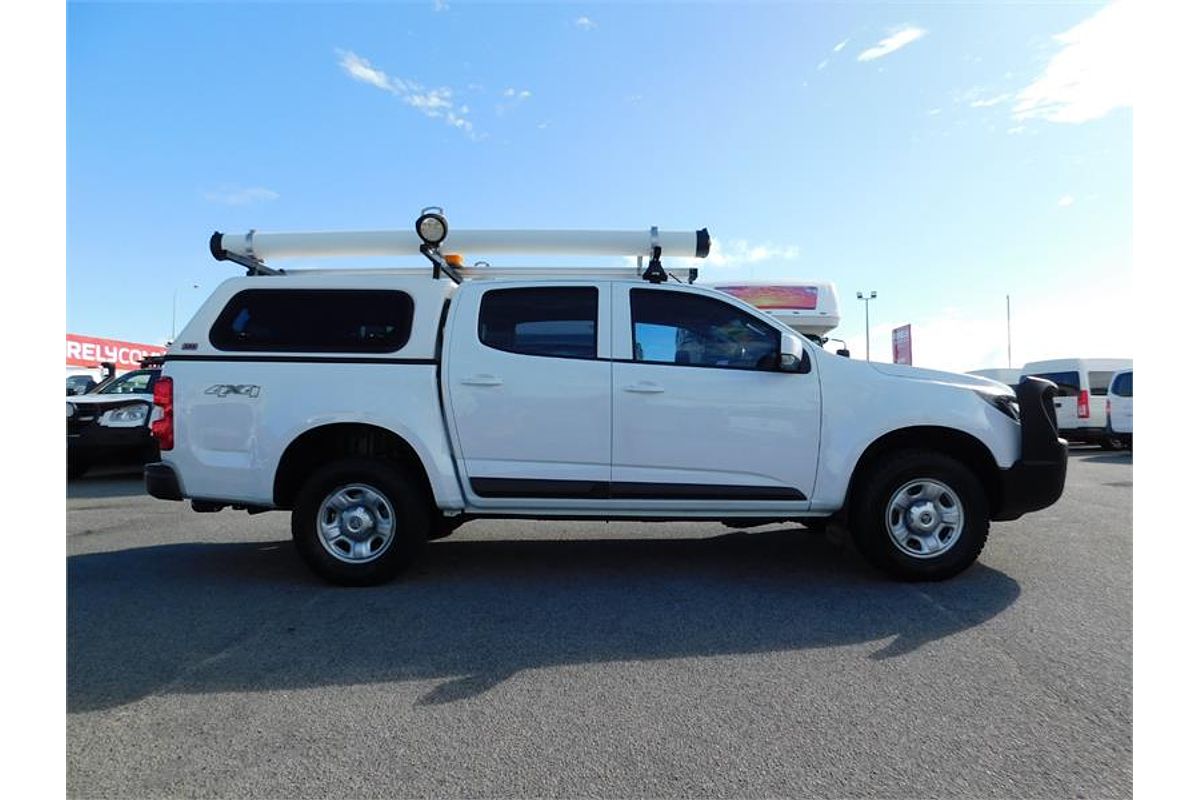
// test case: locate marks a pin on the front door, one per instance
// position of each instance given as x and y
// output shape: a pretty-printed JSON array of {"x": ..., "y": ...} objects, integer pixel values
[{"x": 701, "y": 411}]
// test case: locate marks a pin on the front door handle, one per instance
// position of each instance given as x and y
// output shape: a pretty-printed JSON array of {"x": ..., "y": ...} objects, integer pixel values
[
  {"x": 481, "y": 380},
  {"x": 645, "y": 387}
]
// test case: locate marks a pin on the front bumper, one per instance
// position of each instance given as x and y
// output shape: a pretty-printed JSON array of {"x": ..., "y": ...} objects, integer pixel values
[
  {"x": 1036, "y": 480},
  {"x": 95, "y": 443}
]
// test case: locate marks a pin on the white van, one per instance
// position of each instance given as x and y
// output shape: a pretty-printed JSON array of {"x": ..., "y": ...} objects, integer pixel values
[
  {"x": 1082, "y": 416},
  {"x": 1119, "y": 405}
]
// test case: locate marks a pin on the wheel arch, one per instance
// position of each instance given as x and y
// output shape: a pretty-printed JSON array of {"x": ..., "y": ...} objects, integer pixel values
[
  {"x": 956, "y": 444},
  {"x": 325, "y": 443}
]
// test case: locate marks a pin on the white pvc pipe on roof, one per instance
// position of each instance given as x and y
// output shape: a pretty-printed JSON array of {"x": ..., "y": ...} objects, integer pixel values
[{"x": 267, "y": 246}]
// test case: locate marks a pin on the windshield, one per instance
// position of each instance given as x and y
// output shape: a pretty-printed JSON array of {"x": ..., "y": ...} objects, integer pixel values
[{"x": 137, "y": 382}]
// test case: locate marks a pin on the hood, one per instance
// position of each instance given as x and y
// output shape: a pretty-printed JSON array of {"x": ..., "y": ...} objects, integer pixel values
[
  {"x": 94, "y": 400},
  {"x": 937, "y": 376}
]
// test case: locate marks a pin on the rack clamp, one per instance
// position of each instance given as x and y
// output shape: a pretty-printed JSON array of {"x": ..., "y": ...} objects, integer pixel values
[
  {"x": 654, "y": 271},
  {"x": 253, "y": 265}
]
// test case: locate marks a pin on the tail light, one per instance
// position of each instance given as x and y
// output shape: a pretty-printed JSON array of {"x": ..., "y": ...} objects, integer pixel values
[
  {"x": 1108, "y": 407},
  {"x": 1085, "y": 410},
  {"x": 162, "y": 427}
]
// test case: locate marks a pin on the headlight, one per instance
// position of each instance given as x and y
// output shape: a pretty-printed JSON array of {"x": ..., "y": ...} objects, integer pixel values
[
  {"x": 70, "y": 410},
  {"x": 130, "y": 416},
  {"x": 1005, "y": 403},
  {"x": 431, "y": 226}
]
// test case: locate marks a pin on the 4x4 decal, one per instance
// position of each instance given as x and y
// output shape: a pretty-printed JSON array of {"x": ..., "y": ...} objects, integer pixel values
[{"x": 226, "y": 389}]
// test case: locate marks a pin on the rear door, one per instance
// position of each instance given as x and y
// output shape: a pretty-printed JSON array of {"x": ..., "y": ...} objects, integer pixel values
[
  {"x": 529, "y": 386},
  {"x": 701, "y": 417},
  {"x": 1098, "y": 381}
]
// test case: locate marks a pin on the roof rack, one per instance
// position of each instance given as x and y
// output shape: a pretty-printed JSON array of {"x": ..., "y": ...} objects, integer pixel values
[{"x": 432, "y": 234}]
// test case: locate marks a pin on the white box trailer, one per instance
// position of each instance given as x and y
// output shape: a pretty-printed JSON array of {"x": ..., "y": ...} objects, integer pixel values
[{"x": 807, "y": 307}]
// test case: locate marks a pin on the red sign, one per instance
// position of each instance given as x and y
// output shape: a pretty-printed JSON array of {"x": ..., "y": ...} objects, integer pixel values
[
  {"x": 902, "y": 345},
  {"x": 88, "y": 351}
]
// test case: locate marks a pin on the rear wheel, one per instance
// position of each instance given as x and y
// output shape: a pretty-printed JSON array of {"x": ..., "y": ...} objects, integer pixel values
[
  {"x": 359, "y": 521},
  {"x": 920, "y": 516}
]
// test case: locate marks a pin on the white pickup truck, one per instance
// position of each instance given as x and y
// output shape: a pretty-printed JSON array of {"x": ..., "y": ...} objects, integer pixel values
[{"x": 384, "y": 408}]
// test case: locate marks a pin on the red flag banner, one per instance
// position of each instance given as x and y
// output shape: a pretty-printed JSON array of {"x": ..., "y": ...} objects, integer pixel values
[{"x": 902, "y": 345}]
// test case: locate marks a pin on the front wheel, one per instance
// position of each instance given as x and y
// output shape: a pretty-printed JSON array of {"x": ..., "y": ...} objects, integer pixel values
[
  {"x": 920, "y": 516},
  {"x": 359, "y": 521}
]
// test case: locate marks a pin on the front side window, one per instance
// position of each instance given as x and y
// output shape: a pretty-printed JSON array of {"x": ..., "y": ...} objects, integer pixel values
[
  {"x": 689, "y": 329},
  {"x": 552, "y": 321},
  {"x": 1123, "y": 385},
  {"x": 314, "y": 321},
  {"x": 140, "y": 382}
]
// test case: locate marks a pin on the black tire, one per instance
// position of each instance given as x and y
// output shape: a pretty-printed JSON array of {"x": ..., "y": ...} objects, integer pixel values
[
  {"x": 1108, "y": 443},
  {"x": 868, "y": 515},
  {"x": 76, "y": 467},
  {"x": 412, "y": 525}
]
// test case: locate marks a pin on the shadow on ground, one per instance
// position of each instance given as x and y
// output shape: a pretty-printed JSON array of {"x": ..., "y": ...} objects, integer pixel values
[
  {"x": 110, "y": 482},
  {"x": 200, "y": 618},
  {"x": 1103, "y": 457}
]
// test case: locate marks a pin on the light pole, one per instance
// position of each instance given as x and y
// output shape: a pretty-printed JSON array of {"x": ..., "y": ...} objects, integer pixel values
[
  {"x": 867, "y": 304},
  {"x": 174, "y": 305}
]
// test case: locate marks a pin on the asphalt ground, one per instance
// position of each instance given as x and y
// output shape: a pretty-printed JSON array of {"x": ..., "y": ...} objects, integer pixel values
[{"x": 597, "y": 660}]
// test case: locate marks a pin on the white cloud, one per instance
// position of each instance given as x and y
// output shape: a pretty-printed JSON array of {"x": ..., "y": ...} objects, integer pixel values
[
  {"x": 823, "y": 64},
  {"x": 435, "y": 103},
  {"x": 585, "y": 23},
  {"x": 837, "y": 48},
  {"x": 361, "y": 70},
  {"x": 933, "y": 112},
  {"x": 892, "y": 43},
  {"x": 440, "y": 5},
  {"x": 990, "y": 101},
  {"x": 241, "y": 197},
  {"x": 1090, "y": 76},
  {"x": 738, "y": 252},
  {"x": 1066, "y": 200}
]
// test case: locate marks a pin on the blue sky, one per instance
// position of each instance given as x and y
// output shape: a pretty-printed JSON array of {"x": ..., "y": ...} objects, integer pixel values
[{"x": 941, "y": 155}]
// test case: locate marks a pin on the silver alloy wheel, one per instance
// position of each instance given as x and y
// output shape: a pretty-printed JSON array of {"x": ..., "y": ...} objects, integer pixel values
[
  {"x": 924, "y": 518},
  {"x": 356, "y": 523}
]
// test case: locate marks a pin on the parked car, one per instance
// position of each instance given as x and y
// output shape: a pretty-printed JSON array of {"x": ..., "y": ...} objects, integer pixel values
[
  {"x": 111, "y": 424},
  {"x": 1120, "y": 407},
  {"x": 80, "y": 384},
  {"x": 383, "y": 408},
  {"x": 1081, "y": 416}
]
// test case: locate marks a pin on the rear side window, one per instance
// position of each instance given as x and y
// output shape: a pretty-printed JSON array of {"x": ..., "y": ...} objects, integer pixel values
[
  {"x": 552, "y": 321},
  {"x": 314, "y": 321},
  {"x": 1123, "y": 385},
  {"x": 1068, "y": 382},
  {"x": 1099, "y": 382}
]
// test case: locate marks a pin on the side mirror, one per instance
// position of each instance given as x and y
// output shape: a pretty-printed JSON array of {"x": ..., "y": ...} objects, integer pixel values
[
  {"x": 790, "y": 362},
  {"x": 844, "y": 353}
]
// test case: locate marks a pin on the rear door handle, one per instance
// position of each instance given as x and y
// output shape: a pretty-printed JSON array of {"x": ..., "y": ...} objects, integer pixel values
[
  {"x": 645, "y": 387},
  {"x": 481, "y": 380}
]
